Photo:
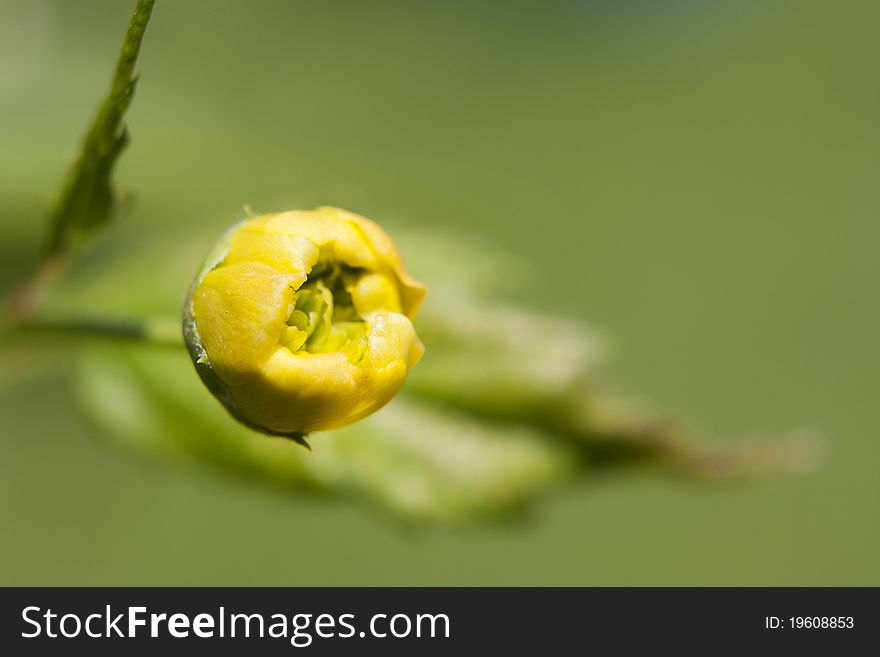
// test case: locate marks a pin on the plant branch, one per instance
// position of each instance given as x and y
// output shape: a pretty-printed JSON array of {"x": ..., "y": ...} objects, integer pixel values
[
  {"x": 157, "y": 330},
  {"x": 87, "y": 198}
]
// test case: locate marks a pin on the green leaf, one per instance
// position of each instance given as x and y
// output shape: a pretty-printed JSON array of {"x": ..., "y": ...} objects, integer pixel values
[
  {"x": 88, "y": 198},
  {"x": 501, "y": 361},
  {"x": 411, "y": 460}
]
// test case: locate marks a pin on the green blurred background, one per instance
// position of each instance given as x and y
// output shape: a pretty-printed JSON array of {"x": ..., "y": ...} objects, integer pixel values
[{"x": 697, "y": 177}]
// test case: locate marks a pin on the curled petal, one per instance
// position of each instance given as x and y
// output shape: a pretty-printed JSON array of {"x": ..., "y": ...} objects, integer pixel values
[{"x": 302, "y": 321}]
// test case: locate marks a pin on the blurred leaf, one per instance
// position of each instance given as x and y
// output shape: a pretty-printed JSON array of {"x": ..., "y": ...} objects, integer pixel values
[
  {"x": 499, "y": 360},
  {"x": 411, "y": 460}
]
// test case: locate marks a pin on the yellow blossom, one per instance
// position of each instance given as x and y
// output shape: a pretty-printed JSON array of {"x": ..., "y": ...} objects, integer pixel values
[{"x": 301, "y": 321}]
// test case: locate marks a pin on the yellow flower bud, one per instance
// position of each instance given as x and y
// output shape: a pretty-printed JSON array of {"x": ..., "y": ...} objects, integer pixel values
[{"x": 301, "y": 321}]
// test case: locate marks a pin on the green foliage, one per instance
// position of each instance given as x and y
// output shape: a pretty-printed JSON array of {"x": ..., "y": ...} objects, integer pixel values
[
  {"x": 88, "y": 198},
  {"x": 411, "y": 459},
  {"x": 506, "y": 405}
]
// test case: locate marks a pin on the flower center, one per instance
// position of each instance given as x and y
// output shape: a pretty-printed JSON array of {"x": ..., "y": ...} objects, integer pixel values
[{"x": 324, "y": 319}]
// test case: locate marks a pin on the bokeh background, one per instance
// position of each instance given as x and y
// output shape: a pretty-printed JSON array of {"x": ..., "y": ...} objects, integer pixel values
[{"x": 699, "y": 178}]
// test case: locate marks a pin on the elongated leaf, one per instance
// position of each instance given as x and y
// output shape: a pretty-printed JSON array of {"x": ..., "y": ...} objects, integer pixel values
[
  {"x": 88, "y": 198},
  {"x": 410, "y": 460}
]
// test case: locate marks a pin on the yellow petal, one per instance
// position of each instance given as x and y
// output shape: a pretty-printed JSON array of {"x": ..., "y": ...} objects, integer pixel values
[
  {"x": 240, "y": 311},
  {"x": 375, "y": 292},
  {"x": 289, "y": 254},
  {"x": 336, "y": 238},
  {"x": 302, "y": 392},
  {"x": 392, "y": 337},
  {"x": 412, "y": 291}
]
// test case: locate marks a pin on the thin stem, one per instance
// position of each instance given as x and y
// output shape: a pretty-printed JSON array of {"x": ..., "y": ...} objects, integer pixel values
[
  {"x": 24, "y": 300},
  {"x": 87, "y": 198},
  {"x": 157, "y": 330}
]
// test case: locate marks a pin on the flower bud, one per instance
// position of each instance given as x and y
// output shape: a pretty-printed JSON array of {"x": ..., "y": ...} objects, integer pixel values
[{"x": 301, "y": 321}]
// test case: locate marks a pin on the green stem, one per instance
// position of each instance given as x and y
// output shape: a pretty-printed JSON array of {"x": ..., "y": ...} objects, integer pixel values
[
  {"x": 87, "y": 198},
  {"x": 156, "y": 330},
  {"x": 24, "y": 300}
]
